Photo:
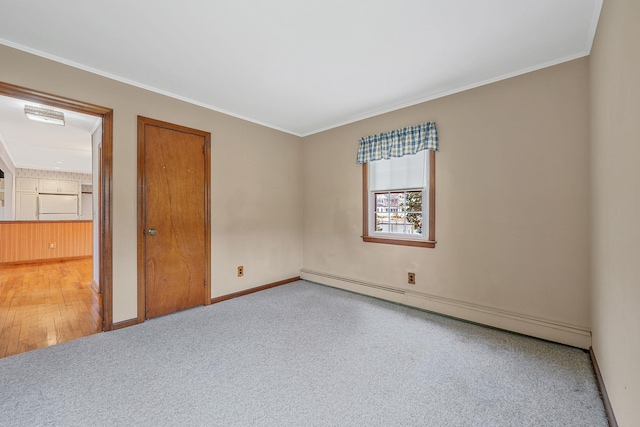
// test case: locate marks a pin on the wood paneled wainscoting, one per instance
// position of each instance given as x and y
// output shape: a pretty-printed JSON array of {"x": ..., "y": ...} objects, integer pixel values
[{"x": 33, "y": 241}]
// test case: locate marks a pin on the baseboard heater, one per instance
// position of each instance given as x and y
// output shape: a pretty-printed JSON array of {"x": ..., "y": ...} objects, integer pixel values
[
  {"x": 576, "y": 336},
  {"x": 355, "y": 282}
]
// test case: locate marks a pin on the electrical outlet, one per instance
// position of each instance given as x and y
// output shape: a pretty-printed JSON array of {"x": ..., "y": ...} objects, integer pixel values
[
  {"x": 240, "y": 271},
  {"x": 52, "y": 245},
  {"x": 412, "y": 278}
]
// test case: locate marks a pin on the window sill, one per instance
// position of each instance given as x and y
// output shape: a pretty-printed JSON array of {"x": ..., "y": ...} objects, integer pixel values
[{"x": 401, "y": 242}]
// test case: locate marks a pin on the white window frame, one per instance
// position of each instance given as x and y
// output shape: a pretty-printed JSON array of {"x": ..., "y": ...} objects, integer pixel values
[
  {"x": 372, "y": 214},
  {"x": 427, "y": 238}
]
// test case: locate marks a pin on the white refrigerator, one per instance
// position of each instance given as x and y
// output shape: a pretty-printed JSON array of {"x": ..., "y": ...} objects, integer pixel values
[{"x": 57, "y": 207}]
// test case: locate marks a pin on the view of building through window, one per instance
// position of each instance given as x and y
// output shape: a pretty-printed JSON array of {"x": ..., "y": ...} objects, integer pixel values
[{"x": 399, "y": 212}]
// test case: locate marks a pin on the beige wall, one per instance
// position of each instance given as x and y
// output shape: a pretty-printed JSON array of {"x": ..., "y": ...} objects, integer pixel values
[
  {"x": 512, "y": 178},
  {"x": 256, "y": 192},
  {"x": 615, "y": 204}
]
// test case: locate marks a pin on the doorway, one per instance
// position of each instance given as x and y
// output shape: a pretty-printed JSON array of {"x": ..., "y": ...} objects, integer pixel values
[
  {"x": 104, "y": 179},
  {"x": 173, "y": 218}
]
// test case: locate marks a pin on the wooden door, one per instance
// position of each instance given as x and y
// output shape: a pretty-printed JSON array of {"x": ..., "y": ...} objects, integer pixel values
[{"x": 173, "y": 174}]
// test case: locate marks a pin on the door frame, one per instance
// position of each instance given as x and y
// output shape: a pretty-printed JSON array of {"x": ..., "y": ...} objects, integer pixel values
[
  {"x": 105, "y": 180},
  {"x": 142, "y": 122}
]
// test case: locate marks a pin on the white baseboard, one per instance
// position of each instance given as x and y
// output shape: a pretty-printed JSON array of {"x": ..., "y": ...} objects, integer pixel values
[{"x": 551, "y": 330}]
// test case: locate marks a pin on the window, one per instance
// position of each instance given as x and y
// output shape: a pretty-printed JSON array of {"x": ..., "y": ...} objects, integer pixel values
[
  {"x": 399, "y": 200},
  {"x": 398, "y": 185}
]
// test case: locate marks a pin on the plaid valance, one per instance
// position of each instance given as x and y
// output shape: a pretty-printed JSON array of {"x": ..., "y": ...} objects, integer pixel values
[{"x": 397, "y": 143}]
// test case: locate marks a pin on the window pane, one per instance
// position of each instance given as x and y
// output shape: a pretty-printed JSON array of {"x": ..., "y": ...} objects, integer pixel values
[
  {"x": 398, "y": 212},
  {"x": 396, "y": 217},
  {"x": 382, "y": 222},
  {"x": 396, "y": 228},
  {"x": 396, "y": 202},
  {"x": 414, "y": 211},
  {"x": 413, "y": 201},
  {"x": 414, "y": 223},
  {"x": 382, "y": 201}
]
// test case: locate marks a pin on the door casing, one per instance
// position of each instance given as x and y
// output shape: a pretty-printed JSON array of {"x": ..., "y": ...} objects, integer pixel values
[{"x": 105, "y": 182}]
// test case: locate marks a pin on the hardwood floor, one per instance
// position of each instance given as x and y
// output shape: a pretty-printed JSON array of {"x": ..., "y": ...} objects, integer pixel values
[{"x": 43, "y": 304}]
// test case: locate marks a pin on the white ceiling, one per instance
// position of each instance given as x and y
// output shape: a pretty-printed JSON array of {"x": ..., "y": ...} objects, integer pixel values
[
  {"x": 304, "y": 66},
  {"x": 44, "y": 146}
]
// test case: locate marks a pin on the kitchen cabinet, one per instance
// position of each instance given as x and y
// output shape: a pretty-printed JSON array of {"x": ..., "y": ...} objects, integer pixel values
[
  {"x": 54, "y": 186},
  {"x": 29, "y": 189},
  {"x": 69, "y": 187},
  {"x": 26, "y": 199},
  {"x": 27, "y": 184},
  {"x": 26, "y": 206}
]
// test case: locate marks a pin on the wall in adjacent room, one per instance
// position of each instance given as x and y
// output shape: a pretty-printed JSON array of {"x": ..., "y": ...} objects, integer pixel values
[
  {"x": 6, "y": 165},
  {"x": 512, "y": 183},
  {"x": 615, "y": 204},
  {"x": 48, "y": 174}
]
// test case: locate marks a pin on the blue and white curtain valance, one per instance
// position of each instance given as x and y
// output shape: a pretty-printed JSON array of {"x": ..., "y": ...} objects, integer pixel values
[{"x": 398, "y": 143}]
